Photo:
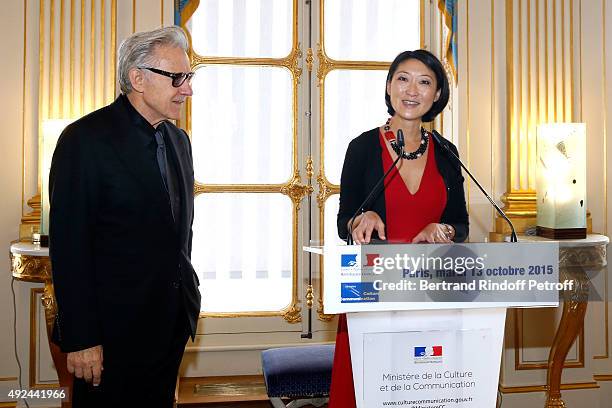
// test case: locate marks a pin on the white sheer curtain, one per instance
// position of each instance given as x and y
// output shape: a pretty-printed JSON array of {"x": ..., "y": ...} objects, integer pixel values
[
  {"x": 242, "y": 251},
  {"x": 371, "y": 30},
  {"x": 243, "y": 28},
  {"x": 242, "y": 125}
]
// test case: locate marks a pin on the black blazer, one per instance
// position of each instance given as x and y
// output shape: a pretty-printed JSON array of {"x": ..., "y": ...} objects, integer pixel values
[
  {"x": 363, "y": 167},
  {"x": 121, "y": 266}
]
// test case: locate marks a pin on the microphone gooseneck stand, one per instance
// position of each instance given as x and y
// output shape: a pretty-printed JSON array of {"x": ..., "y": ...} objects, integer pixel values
[
  {"x": 365, "y": 203},
  {"x": 438, "y": 137}
]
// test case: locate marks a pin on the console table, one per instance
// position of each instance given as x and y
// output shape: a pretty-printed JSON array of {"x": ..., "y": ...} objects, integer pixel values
[
  {"x": 576, "y": 257},
  {"x": 31, "y": 263}
]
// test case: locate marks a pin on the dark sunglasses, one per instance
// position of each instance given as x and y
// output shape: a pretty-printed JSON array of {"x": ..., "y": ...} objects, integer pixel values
[{"x": 178, "y": 78}]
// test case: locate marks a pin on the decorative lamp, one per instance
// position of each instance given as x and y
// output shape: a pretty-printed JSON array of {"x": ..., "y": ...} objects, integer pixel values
[
  {"x": 561, "y": 180},
  {"x": 51, "y": 131}
]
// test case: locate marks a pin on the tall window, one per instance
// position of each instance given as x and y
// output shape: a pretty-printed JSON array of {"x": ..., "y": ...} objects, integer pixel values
[
  {"x": 243, "y": 127},
  {"x": 281, "y": 88}
]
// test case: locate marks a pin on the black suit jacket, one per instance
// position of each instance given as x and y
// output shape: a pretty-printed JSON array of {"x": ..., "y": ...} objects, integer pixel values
[
  {"x": 363, "y": 168},
  {"x": 121, "y": 265}
]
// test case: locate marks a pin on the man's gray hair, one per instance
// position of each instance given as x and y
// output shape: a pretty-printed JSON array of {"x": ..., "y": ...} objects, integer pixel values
[{"x": 137, "y": 50}]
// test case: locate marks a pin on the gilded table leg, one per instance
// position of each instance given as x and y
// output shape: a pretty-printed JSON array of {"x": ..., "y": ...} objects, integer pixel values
[
  {"x": 59, "y": 359},
  {"x": 572, "y": 321},
  {"x": 569, "y": 328}
]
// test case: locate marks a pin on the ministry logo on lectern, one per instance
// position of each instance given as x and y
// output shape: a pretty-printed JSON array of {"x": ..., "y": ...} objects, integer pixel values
[
  {"x": 428, "y": 354},
  {"x": 358, "y": 292},
  {"x": 348, "y": 260}
]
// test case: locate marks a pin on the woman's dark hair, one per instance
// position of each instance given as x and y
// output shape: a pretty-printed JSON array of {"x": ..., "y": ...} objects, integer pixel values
[{"x": 432, "y": 63}]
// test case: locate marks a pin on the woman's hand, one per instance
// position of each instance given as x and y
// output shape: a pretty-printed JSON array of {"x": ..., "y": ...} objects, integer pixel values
[
  {"x": 364, "y": 225},
  {"x": 435, "y": 233}
]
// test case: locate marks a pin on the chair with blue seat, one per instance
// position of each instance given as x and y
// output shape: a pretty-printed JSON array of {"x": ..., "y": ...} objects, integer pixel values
[{"x": 302, "y": 374}]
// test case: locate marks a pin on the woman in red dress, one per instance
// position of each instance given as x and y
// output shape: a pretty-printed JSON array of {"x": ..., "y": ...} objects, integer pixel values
[{"x": 423, "y": 198}]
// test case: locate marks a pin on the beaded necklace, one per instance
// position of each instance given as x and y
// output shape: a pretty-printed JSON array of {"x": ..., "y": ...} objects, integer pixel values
[{"x": 390, "y": 136}]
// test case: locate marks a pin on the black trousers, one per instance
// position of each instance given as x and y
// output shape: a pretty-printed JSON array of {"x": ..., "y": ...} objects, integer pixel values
[{"x": 136, "y": 375}]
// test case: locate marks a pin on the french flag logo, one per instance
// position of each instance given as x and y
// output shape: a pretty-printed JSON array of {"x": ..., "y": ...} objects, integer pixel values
[{"x": 428, "y": 351}]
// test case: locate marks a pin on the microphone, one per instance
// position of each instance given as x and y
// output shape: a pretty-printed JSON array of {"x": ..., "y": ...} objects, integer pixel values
[
  {"x": 365, "y": 203},
  {"x": 438, "y": 137},
  {"x": 400, "y": 139}
]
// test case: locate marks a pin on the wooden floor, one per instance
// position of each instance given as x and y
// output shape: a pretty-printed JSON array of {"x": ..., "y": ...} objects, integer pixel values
[
  {"x": 218, "y": 392},
  {"x": 251, "y": 404},
  {"x": 223, "y": 392}
]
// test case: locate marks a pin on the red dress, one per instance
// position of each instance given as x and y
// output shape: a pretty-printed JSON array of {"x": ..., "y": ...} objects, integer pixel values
[{"x": 402, "y": 225}]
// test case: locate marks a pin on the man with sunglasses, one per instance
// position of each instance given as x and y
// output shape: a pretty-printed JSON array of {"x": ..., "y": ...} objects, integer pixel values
[{"x": 121, "y": 193}]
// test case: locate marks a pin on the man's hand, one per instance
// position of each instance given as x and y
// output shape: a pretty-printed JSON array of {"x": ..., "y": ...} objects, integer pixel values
[{"x": 86, "y": 364}]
